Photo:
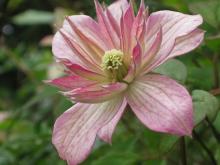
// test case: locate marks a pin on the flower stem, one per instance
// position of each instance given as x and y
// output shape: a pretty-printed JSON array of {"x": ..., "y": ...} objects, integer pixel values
[
  {"x": 214, "y": 130},
  {"x": 183, "y": 151},
  {"x": 206, "y": 149}
]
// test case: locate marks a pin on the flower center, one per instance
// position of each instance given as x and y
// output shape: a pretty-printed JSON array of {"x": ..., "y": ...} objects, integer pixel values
[
  {"x": 112, "y": 59},
  {"x": 112, "y": 63}
]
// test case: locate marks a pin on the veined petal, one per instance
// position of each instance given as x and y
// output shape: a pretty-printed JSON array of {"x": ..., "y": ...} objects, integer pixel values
[
  {"x": 118, "y": 8},
  {"x": 75, "y": 130},
  {"x": 80, "y": 71},
  {"x": 126, "y": 24},
  {"x": 187, "y": 43},
  {"x": 161, "y": 104},
  {"x": 151, "y": 52},
  {"x": 105, "y": 133},
  {"x": 96, "y": 93},
  {"x": 174, "y": 25},
  {"x": 106, "y": 28},
  {"x": 70, "y": 82}
]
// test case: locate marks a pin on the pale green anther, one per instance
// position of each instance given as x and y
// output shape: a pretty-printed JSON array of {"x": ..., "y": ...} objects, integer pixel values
[{"x": 112, "y": 59}]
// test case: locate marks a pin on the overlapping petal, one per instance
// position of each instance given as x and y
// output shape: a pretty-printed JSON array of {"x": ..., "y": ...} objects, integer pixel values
[
  {"x": 161, "y": 104},
  {"x": 75, "y": 130},
  {"x": 106, "y": 132},
  {"x": 96, "y": 93},
  {"x": 70, "y": 82},
  {"x": 174, "y": 25}
]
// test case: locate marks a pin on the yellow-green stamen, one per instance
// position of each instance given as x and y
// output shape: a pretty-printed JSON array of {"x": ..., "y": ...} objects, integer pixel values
[{"x": 112, "y": 63}]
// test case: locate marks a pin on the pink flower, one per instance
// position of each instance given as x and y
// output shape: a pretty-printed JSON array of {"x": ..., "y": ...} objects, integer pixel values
[{"x": 109, "y": 65}]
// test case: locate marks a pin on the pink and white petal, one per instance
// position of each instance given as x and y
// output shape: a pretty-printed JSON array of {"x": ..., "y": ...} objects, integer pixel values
[
  {"x": 106, "y": 132},
  {"x": 106, "y": 28},
  {"x": 151, "y": 52},
  {"x": 70, "y": 82},
  {"x": 174, "y": 25},
  {"x": 126, "y": 24},
  {"x": 162, "y": 104},
  {"x": 94, "y": 42},
  {"x": 187, "y": 43},
  {"x": 76, "y": 129},
  {"x": 117, "y": 8},
  {"x": 65, "y": 48},
  {"x": 96, "y": 93},
  {"x": 80, "y": 71}
]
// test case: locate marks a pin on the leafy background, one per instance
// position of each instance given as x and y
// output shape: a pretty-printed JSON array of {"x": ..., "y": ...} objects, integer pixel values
[{"x": 28, "y": 107}]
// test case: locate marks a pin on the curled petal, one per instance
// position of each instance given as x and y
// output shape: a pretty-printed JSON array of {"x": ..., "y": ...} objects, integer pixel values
[
  {"x": 75, "y": 130},
  {"x": 70, "y": 82},
  {"x": 161, "y": 104},
  {"x": 117, "y": 8},
  {"x": 96, "y": 93},
  {"x": 187, "y": 43},
  {"x": 105, "y": 133},
  {"x": 174, "y": 25}
]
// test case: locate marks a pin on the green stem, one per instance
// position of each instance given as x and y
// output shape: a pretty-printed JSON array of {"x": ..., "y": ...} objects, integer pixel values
[
  {"x": 214, "y": 130},
  {"x": 183, "y": 151},
  {"x": 206, "y": 149}
]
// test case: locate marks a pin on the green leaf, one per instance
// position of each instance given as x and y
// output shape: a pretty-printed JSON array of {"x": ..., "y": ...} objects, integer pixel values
[
  {"x": 204, "y": 104},
  {"x": 111, "y": 158},
  {"x": 208, "y": 10},
  {"x": 174, "y": 69},
  {"x": 33, "y": 17}
]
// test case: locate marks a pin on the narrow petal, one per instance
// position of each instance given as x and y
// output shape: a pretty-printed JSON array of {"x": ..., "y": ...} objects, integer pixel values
[
  {"x": 126, "y": 24},
  {"x": 105, "y": 133},
  {"x": 105, "y": 26},
  {"x": 174, "y": 25},
  {"x": 75, "y": 130},
  {"x": 187, "y": 43},
  {"x": 80, "y": 71},
  {"x": 70, "y": 82},
  {"x": 96, "y": 93},
  {"x": 118, "y": 8},
  {"x": 151, "y": 52},
  {"x": 161, "y": 104}
]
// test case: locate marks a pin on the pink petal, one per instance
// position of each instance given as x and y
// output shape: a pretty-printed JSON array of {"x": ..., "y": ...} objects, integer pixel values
[
  {"x": 105, "y": 133},
  {"x": 162, "y": 104},
  {"x": 151, "y": 52},
  {"x": 75, "y": 130},
  {"x": 187, "y": 43},
  {"x": 70, "y": 82},
  {"x": 84, "y": 48},
  {"x": 106, "y": 27},
  {"x": 174, "y": 25},
  {"x": 117, "y": 8},
  {"x": 126, "y": 24},
  {"x": 82, "y": 72},
  {"x": 96, "y": 93}
]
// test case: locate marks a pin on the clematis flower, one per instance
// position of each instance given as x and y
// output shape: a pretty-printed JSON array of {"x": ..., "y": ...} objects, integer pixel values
[{"x": 110, "y": 63}]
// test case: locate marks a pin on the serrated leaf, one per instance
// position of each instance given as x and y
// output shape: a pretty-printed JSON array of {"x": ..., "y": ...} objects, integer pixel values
[
  {"x": 174, "y": 69},
  {"x": 33, "y": 17},
  {"x": 204, "y": 104}
]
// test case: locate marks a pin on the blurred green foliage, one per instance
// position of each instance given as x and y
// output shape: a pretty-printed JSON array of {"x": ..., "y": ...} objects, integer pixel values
[{"x": 31, "y": 107}]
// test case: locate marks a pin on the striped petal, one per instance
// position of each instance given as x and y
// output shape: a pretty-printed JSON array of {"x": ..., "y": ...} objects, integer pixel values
[
  {"x": 105, "y": 133},
  {"x": 96, "y": 93},
  {"x": 187, "y": 43},
  {"x": 70, "y": 82},
  {"x": 161, "y": 104},
  {"x": 174, "y": 25},
  {"x": 117, "y": 8},
  {"x": 75, "y": 130}
]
